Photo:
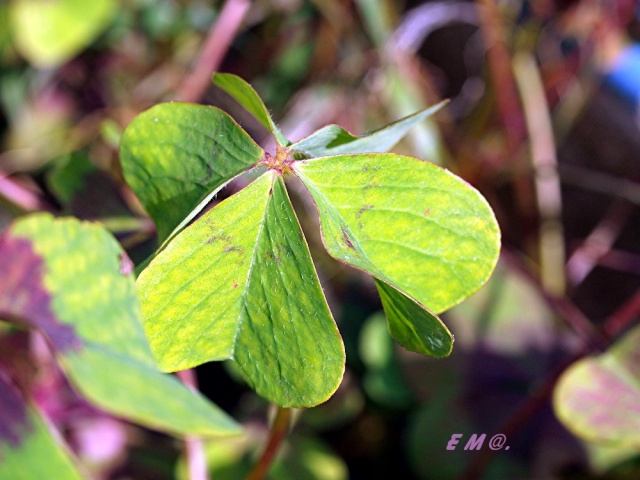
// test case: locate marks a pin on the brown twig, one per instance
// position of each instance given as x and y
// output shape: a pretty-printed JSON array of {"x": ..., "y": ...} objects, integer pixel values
[
  {"x": 279, "y": 431},
  {"x": 219, "y": 39}
]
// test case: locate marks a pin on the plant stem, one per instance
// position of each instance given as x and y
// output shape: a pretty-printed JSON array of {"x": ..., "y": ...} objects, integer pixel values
[
  {"x": 219, "y": 39},
  {"x": 499, "y": 60},
  {"x": 23, "y": 197},
  {"x": 193, "y": 447},
  {"x": 279, "y": 430},
  {"x": 547, "y": 181},
  {"x": 622, "y": 317}
]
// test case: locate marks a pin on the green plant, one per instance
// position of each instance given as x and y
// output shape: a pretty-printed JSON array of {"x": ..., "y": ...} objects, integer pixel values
[{"x": 237, "y": 283}]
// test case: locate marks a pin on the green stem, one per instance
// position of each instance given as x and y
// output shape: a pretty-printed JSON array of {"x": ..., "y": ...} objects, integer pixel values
[{"x": 279, "y": 430}]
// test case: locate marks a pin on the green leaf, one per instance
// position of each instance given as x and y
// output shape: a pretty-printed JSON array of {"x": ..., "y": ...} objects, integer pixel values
[
  {"x": 413, "y": 325},
  {"x": 333, "y": 140},
  {"x": 246, "y": 96},
  {"x": 416, "y": 227},
  {"x": 27, "y": 448},
  {"x": 72, "y": 281},
  {"x": 50, "y": 33},
  {"x": 176, "y": 157},
  {"x": 240, "y": 284},
  {"x": 598, "y": 398}
]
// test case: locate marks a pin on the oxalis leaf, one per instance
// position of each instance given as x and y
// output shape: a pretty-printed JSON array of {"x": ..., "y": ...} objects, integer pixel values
[
  {"x": 239, "y": 284},
  {"x": 72, "y": 281},
  {"x": 428, "y": 237},
  {"x": 598, "y": 398},
  {"x": 176, "y": 156},
  {"x": 246, "y": 96},
  {"x": 334, "y": 140}
]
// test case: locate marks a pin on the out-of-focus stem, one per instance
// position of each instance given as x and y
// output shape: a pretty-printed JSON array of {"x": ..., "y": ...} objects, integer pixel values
[
  {"x": 219, "y": 39},
  {"x": 23, "y": 197},
  {"x": 598, "y": 243},
  {"x": 547, "y": 181},
  {"x": 623, "y": 317},
  {"x": 193, "y": 447},
  {"x": 279, "y": 430},
  {"x": 499, "y": 60}
]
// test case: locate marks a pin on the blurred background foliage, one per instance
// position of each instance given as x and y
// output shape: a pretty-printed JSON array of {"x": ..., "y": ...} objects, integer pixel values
[{"x": 543, "y": 119}]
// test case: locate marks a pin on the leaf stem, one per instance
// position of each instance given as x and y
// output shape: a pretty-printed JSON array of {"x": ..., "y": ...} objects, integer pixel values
[{"x": 279, "y": 431}]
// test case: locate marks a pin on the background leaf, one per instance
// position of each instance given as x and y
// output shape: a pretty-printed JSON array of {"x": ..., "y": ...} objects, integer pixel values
[
  {"x": 50, "y": 33},
  {"x": 334, "y": 140},
  {"x": 176, "y": 156},
  {"x": 598, "y": 398},
  {"x": 239, "y": 283},
  {"x": 246, "y": 96},
  {"x": 72, "y": 281},
  {"x": 27, "y": 448}
]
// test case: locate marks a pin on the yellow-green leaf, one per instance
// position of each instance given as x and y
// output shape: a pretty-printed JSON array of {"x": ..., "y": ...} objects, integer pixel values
[
  {"x": 240, "y": 284},
  {"x": 414, "y": 226}
]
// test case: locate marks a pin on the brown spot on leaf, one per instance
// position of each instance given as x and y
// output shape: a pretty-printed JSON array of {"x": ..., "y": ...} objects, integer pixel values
[
  {"x": 235, "y": 284},
  {"x": 14, "y": 424},
  {"x": 346, "y": 238},
  {"x": 23, "y": 297},
  {"x": 360, "y": 212},
  {"x": 364, "y": 209},
  {"x": 232, "y": 248},
  {"x": 427, "y": 212},
  {"x": 219, "y": 237}
]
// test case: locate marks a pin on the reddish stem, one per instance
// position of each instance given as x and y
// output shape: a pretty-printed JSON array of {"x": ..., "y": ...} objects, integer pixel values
[
  {"x": 623, "y": 317},
  {"x": 279, "y": 431},
  {"x": 219, "y": 39},
  {"x": 23, "y": 197},
  {"x": 499, "y": 60}
]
